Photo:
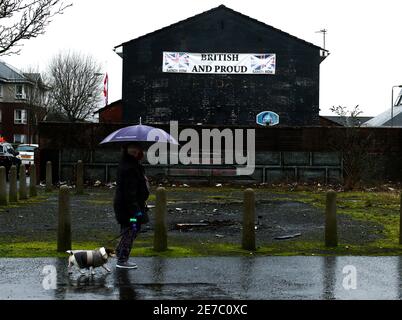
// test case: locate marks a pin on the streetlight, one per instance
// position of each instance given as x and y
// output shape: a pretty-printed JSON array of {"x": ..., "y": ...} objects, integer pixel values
[{"x": 392, "y": 105}]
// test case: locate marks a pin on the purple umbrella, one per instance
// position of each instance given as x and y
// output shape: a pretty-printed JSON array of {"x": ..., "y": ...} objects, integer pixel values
[{"x": 140, "y": 133}]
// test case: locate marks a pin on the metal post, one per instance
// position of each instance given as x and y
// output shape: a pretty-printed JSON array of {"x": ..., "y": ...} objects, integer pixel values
[{"x": 392, "y": 108}]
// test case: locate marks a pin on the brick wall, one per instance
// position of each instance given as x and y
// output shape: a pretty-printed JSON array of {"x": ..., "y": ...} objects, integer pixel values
[
  {"x": 112, "y": 113},
  {"x": 7, "y": 126},
  {"x": 301, "y": 154}
]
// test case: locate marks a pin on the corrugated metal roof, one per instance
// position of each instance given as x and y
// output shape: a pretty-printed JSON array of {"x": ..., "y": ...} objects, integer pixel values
[{"x": 384, "y": 119}]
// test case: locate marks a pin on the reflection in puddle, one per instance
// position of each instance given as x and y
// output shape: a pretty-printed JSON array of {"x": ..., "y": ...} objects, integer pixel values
[
  {"x": 246, "y": 273},
  {"x": 123, "y": 282},
  {"x": 329, "y": 278},
  {"x": 93, "y": 287}
]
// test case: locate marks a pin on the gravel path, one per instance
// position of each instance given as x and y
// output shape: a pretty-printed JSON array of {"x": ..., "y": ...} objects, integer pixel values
[{"x": 219, "y": 210}]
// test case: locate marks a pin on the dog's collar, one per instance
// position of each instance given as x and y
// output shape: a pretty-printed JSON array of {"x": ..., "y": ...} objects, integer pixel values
[{"x": 103, "y": 253}]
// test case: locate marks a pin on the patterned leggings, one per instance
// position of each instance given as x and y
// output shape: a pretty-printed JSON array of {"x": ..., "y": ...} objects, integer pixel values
[{"x": 129, "y": 233}]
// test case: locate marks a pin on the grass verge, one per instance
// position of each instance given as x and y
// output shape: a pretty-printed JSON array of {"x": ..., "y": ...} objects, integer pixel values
[
  {"x": 145, "y": 249},
  {"x": 381, "y": 208}
]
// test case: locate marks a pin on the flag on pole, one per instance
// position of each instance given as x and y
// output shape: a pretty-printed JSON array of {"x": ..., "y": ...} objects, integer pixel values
[{"x": 106, "y": 89}]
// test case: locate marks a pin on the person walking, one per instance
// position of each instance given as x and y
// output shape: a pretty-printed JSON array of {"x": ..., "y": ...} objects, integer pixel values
[{"x": 132, "y": 192}]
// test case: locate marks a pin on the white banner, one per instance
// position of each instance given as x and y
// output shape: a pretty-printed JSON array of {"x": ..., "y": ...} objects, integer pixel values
[{"x": 219, "y": 63}]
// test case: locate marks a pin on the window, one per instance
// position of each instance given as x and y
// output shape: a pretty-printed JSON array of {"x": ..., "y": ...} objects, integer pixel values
[
  {"x": 10, "y": 150},
  {"x": 20, "y": 116},
  {"x": 19, "y": 91},
  {"x": 26, "y": 148},
  {"x": 1, "y": 90},
  {"x": 20, "y": 138}
]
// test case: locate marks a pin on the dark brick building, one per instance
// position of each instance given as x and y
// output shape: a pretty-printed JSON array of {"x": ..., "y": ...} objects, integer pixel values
[
  {"x": 112, "y": 113},
  {"x": 21, "y": 104},
  {"x": 157, "y": 97}
]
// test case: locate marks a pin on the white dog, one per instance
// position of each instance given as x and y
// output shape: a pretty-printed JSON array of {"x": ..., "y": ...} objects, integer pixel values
[{"x": 89, "y": 259}]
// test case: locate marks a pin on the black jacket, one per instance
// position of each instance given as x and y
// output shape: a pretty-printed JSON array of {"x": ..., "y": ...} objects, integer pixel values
[{"x": 131, "y": 191}]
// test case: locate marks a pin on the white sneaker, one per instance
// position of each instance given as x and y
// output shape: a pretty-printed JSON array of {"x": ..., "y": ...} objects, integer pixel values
[{"x": 126, "y": 265}]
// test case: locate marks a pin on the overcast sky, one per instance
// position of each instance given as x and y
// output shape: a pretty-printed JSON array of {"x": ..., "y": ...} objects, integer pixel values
[{"x": 363, "y": 38}]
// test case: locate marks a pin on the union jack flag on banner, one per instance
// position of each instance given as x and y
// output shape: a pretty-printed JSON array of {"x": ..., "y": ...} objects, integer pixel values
[
  {"x": 176, "y": 61},
  {"x": 263, "y": 63}
]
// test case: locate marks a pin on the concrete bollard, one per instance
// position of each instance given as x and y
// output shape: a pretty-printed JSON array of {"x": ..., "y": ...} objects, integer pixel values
[
  {"x": 400, "y": 222},
  {"x": 64, "y": 223},
  {"x": 80, "y": 178},
  {"x": 13, "y": 194},
  {"x": 49, "y": 177},
  {"x": 248, "y": 236},
  {"x": 160, "y": 235},
  {"x": 33, "y": 192},
  {"x": 331, "y": 229},
  {"x": 3, "y": 187},
  {"x": 23, "y": 183}
]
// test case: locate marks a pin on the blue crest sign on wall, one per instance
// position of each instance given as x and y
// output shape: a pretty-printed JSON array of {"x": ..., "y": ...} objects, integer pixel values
[{"x": 268, "y": 118}]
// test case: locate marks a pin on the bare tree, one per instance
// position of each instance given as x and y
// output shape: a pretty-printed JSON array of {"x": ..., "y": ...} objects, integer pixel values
[
  {"x": 37, "y": 98},
  {"x": 76, "y": 82},
  {"x": 25, "y": 19},
  {"x": 353, "y": 145}
]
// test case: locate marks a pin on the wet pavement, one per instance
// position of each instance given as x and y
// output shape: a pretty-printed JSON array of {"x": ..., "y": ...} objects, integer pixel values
[{"x": 208, "y": 278}]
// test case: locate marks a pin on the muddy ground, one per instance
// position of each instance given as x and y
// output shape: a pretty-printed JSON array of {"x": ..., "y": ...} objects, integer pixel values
[{"x": 220, "y": 210}]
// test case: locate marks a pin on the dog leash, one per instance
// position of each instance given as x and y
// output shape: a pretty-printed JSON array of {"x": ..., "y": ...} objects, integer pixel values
[
  {"x": 119, "y": 236},
  {"x": 133, "y": 220}
]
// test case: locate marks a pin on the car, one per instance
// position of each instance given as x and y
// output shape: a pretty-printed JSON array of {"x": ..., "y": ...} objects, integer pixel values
[
  {"x": 8, "y": 156},
  {"x": 27, "y": 153}
]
